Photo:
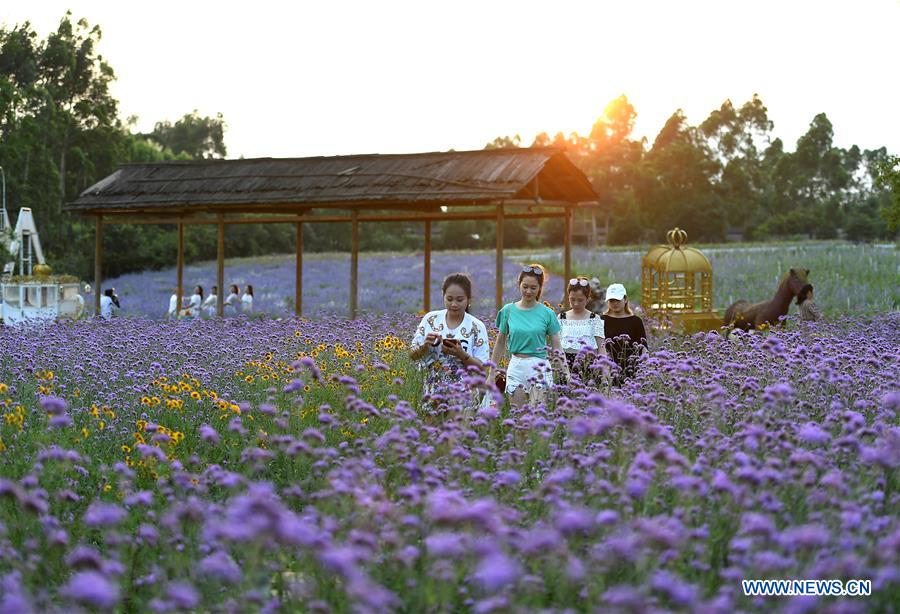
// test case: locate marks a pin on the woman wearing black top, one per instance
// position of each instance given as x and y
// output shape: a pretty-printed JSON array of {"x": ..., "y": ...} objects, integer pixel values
[{"x": 623, "y": 331}]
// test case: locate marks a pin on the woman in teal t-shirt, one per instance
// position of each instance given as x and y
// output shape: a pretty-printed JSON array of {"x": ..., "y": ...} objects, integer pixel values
[{"x": 524, "y": 329}]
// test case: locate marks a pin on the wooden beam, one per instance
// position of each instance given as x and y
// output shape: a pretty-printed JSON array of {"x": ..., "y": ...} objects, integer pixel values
[
  {"x": 498, "y": 272},
  {"x": 298, "y": 273},
  {"x": 98, "y": 263},
  {"x": 354, "y": 264},
  {"x": 220, "y": 268},
  {"x": 479, "y": 215},
  {"x": 567, "y": 246},
  {"x": 179, "y": 283},
  {"x": 426, "y": 285}
]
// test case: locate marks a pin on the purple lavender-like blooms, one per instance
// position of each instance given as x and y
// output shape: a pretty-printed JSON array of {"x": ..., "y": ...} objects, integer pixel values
[
  {"x": 85, "y": 557},
  {"x": 449, "y": 545},
  {"x": 342, "y": 559},
  {"x": 13, "y": 597},
  {"x": 292, "y": 529},
  {"x": 60, "y": 421},
  {"x": 607, "y": 517},
  {"x": 679, "y": 592},
  {"x": 624, "y": 597},
  {"x": 209, "y": 434},
  {"x": 496, "y": 571},
  {"x": 183, "y": 595},
  {"x": 574, "y": 520},
  {"x": 148, "y": 533},
  {"x": 757, "y": 524},
  {"x": 91, "y": 589},
  {"x": 886, "y": 452},
  {"x": 143, "y": 497},
  {"x": 54, "y": 406},
  {"x": 805, "y": 536},
  {"x": 104, "y": 514},
  {"x": 221, "y": 567},
  {"x": 812, "y": 434}
]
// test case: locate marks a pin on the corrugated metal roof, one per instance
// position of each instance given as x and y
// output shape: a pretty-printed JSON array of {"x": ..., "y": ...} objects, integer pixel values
[{"x": 389, "y": 180}]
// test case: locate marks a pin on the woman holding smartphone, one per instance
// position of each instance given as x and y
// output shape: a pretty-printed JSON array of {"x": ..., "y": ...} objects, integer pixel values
[
  {"x": 449, "y": 340},
  {"x": 525, "y": 327}
]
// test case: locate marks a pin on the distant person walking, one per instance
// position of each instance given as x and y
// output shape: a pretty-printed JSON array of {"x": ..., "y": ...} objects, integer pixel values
[
  {"x": 525, "y": 327},
  {"x": 806, "y": 305},
  {"x": 581, "y": 330},
  {"x": 233, "y": 300},
  {"x": 625, "y": 336},
  {"x": 172, "y": 313},
  {"x": 247, "y": 300},
  {"x": 450, "y": 340},
  {"x": 209, "y": 304},
  {"x": 109, "y": 302},
  {"x": 192, "y": 310}
]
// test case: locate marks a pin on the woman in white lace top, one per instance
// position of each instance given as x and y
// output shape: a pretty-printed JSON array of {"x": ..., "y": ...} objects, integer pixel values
[{"x": 581, "y": 331}]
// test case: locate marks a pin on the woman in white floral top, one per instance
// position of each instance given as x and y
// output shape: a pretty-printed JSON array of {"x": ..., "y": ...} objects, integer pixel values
[{"x": 450, "y": 340}]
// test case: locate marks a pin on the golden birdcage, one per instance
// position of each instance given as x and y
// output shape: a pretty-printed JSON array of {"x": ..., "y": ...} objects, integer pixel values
[{"x": 676, "y": 284}]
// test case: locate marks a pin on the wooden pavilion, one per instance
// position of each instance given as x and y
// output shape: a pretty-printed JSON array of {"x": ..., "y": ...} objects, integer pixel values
[{"x": 491, "y": 184}]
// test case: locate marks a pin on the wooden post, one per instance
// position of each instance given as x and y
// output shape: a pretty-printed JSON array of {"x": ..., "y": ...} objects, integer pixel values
[
  {"x": 179, "y": 290},
  {"x": 427, "y": 283},
  {"x": 220, "y": 273},
  {"x": 498, "y": 283},
  {"x": 567, "y": 246},
  {"x": 354, "y": 262},
  {"x": 298, "y": 273},
  {"x": 98, "y": 263}
]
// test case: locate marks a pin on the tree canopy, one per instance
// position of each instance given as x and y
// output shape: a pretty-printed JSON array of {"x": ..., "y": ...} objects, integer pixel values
[{"x": 730, "y": 174}]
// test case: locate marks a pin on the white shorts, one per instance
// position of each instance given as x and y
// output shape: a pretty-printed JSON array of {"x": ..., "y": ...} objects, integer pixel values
[{"x": 528, "y": 372}]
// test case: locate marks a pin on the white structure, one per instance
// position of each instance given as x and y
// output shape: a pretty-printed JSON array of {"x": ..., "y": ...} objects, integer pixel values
[{"x": 33, "y": 295}]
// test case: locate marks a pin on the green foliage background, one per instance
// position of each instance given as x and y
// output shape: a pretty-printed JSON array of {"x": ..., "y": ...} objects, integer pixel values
[{"x": 60, "y": 132}]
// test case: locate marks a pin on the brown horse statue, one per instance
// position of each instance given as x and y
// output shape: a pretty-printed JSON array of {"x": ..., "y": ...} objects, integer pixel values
[{"x": 746, "y": 316}]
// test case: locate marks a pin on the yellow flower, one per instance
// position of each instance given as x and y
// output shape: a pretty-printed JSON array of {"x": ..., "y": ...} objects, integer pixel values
[
  {"x": 107, "y": 487},
  {"x": 126, "y": 449},
  {"x": 3, "y": 388}
]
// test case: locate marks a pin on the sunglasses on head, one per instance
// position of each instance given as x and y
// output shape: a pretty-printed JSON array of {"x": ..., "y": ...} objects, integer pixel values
[
  {"x": 533, "y": 269},
  {"x": 579, "y": 282}
]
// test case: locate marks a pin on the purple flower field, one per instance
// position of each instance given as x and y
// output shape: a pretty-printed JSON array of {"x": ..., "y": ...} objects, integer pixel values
[
  {"x": 848, "y": 278},
  {"x": 243, "y": 465},
  {"x": 387, "y": 283}
]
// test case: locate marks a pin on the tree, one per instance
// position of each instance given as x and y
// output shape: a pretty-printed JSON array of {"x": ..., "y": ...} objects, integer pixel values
[
  {"x": 195, "y": 136},
  {"x": 59, "y": 126},
  {"x": 677, "y": 184},
  {"x": 504, "y": 142},
  {"x": 735, "y": 137},
  {"x": 888, "y": 175}
]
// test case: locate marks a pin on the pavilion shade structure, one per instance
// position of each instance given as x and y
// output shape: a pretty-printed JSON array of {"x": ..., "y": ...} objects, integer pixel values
[{"x": 541, "y": 182}]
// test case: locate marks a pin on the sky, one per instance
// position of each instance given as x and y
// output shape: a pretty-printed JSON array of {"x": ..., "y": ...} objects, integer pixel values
[{"x": 307, "y": 78}]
